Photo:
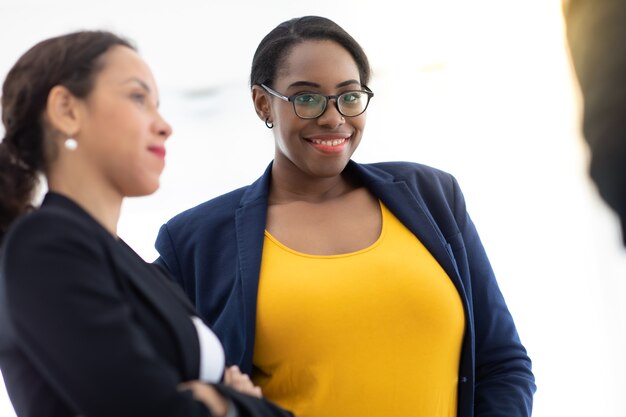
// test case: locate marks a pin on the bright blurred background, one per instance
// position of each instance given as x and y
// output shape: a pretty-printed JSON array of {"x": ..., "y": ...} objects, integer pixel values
[{"x": 482, "y": 89}]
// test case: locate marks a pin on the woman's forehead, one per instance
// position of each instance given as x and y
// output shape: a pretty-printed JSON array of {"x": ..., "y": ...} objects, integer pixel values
[{"x": 313, "y": 59}]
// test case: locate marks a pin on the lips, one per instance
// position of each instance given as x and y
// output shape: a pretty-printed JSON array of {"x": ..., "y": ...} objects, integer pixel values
[
  {"x": 329, "y": 143},
  {"x": 158, "y": 151}
]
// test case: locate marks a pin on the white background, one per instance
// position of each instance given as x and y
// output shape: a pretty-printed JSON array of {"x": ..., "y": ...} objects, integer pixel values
[{"x": 482, "y": 89}]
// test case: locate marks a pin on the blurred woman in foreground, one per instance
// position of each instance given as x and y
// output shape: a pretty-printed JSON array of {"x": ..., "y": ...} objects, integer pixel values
[{"x": 86, "y": 326}]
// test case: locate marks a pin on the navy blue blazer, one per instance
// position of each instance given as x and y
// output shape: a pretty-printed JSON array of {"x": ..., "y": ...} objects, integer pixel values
[{"x": 214, "y": 251}]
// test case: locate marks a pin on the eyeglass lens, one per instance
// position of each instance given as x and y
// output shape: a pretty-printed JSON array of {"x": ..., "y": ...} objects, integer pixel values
[{"x": 350, "y": 103}]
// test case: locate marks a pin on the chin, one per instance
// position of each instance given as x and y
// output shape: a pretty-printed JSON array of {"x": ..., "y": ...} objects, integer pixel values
[
  {"x": 330, "y": 170},
  {"x": 143, "y": 190}
]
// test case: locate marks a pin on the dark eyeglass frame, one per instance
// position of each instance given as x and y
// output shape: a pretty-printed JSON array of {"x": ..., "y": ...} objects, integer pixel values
[{"x": 292, "y": 98}]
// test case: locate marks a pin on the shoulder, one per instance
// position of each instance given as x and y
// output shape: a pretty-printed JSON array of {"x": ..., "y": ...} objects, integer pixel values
[
  {"x": 48, "y": 224},
  {"x": 437, "y": 191},
  {"x": 51, "y": 232},
  {"x": 417, "y": 176},
  {"x": 406, "y": 170},
  {"x": 52, "y": 250},
  {"x": 215, "y": 210},
  {"x": 223, "y": 208}
]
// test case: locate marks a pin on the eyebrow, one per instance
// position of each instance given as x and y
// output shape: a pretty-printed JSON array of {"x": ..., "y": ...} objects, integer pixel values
[
  {"x": 142, "y": 84},
  {"x": 316, "y": 85},
  {"x": 138, "y": 81}
]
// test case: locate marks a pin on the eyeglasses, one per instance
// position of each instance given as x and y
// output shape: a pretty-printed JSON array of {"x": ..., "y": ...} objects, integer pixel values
[{"x": 313, "y": 105}]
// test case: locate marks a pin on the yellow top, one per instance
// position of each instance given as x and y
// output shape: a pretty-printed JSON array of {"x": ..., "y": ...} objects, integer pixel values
[{"x": 375, "y": 332}]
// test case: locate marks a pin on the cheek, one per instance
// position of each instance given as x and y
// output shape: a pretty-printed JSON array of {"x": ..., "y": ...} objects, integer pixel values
[
  {"x": 124, "y": 130},
  {"x": 285, "y": 118},
  {"x": 281, "y": 144},
  {"x": 359, "y": 127},
  {"x": 359, "y": 122},
  {"x": 103, "y": 129},
  {"x": 122, "y": 145},
  {"x": 110, "y": 116},
  {"x": 137, "y": 171},
  {"x": 287, "y": 132}
]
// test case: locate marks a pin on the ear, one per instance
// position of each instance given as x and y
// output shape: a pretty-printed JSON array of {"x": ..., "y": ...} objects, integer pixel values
[
  {"x": 62, "y": 111},
  {"x": 261, "y": 103}
]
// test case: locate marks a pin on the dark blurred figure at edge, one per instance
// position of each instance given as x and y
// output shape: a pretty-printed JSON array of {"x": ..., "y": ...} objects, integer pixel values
[{"x": 596, "y": 34}]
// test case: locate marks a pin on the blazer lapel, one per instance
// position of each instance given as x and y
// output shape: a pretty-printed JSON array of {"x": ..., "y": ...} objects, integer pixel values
[
  {"x": 250, "y": 220},
  {"x": 133, "y": 269},
  {"x": 174, "y": 310},
  {"x": 411, "y": 211}
]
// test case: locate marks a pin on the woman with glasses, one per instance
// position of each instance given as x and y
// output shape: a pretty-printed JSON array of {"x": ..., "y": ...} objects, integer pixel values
[{"x": 346, "y": 289}]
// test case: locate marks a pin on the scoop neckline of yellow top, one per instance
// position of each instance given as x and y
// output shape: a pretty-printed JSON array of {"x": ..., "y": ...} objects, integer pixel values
[{"x": 372, "y": 246}]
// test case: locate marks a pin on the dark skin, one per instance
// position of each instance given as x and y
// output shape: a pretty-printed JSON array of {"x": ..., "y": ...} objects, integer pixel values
[{"x": 313, "y": 207}]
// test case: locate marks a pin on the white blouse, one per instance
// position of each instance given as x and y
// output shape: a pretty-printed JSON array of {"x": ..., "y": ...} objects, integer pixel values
[{"x": 211, "y": 353}]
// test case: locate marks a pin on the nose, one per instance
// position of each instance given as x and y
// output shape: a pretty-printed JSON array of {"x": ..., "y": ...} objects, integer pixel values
[
  {"x": 331, "y": 116},
  {"x": 162, "y": 127}
]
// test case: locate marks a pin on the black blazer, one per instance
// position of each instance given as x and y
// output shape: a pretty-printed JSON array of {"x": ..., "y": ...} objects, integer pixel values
[{"x": 88, "y": 328}]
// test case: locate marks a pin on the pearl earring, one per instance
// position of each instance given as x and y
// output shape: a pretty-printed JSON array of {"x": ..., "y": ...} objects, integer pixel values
[{"x": 70, "y": 144}]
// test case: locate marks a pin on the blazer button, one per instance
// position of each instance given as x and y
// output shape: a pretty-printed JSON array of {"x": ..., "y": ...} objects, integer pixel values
[{"x": 463, "y": 379}]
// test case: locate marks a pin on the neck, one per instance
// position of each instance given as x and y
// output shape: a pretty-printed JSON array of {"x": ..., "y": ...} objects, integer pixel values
[
  {"x": 102, "y": 203},
  {"x": 292, "y": 186}
]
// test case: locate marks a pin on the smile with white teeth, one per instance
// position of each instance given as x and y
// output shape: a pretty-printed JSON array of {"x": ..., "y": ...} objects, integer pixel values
[{"x": 333, "y": 142}]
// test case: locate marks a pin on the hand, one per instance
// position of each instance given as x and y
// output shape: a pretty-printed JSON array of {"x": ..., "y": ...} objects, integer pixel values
[
  {"x": 234, "y": 378},
  {"x": 207, "y": 395}
]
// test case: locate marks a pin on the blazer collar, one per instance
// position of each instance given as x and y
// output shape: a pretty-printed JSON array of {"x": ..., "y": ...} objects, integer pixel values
[
  {"x": 405, "y": 204},
  {"x": 258, "y": 190}
]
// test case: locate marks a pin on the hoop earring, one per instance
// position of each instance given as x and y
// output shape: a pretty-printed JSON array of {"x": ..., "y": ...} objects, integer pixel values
[
  {"x": 268, "y": 123},
  {"x": 70, "y": 144}
]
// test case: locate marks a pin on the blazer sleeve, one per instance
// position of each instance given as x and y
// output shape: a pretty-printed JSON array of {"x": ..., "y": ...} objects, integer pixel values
[
  {"x": 74, "y": 325},
  {"x": 504, "y": 382},
  {"x": 168, "y": 258}
]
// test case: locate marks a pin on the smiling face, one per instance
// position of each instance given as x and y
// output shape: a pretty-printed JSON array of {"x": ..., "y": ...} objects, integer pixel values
[
  {"x": 121, "y": 133},
  {"x": 321, "y": 147}
]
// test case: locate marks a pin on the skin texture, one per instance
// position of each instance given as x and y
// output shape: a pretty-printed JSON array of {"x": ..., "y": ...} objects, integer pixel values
[{"x": 313, "y": 207}]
